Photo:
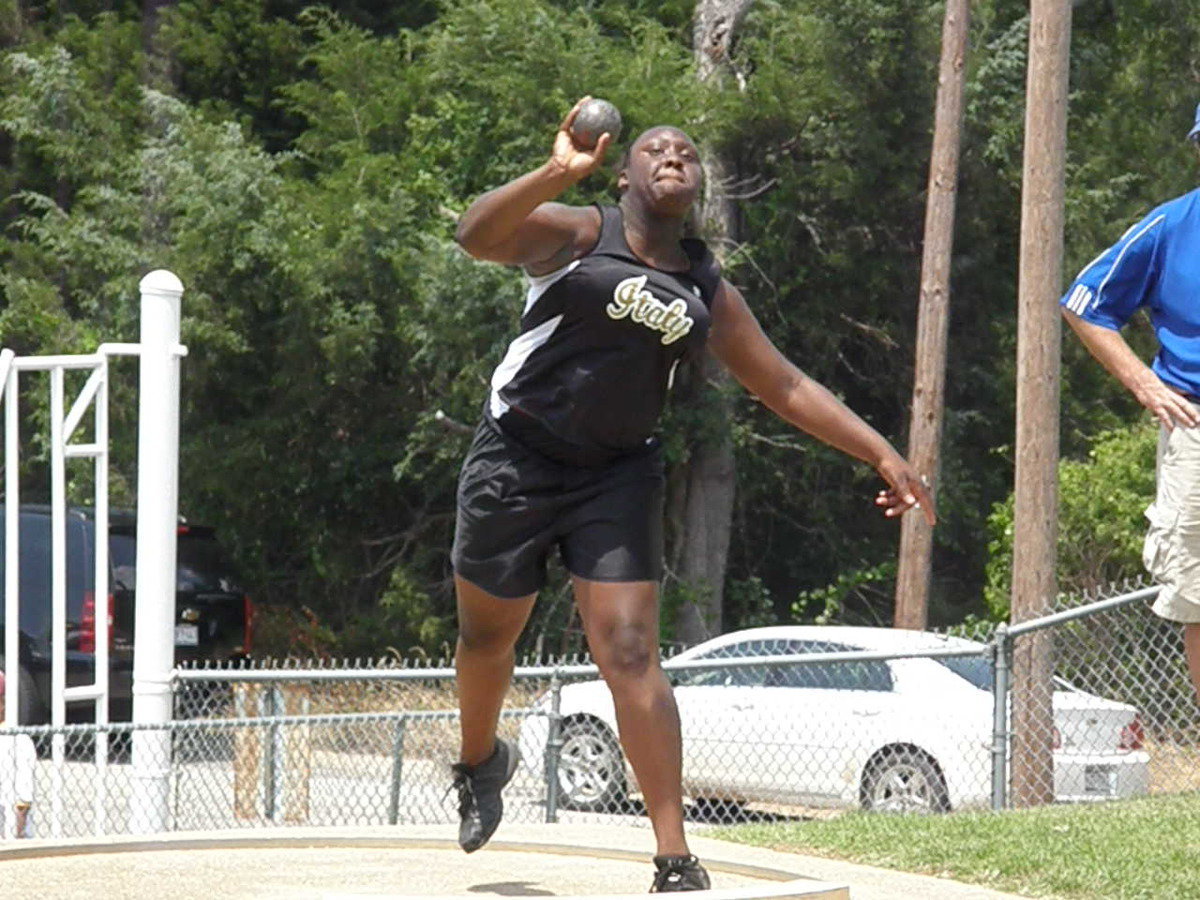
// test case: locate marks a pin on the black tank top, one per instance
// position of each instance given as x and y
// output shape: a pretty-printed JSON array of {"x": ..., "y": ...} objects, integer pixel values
[{"x": 586, "y": 380}]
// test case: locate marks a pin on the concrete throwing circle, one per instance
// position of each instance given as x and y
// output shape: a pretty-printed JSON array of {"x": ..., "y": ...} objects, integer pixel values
[{"x": 321, "y": 867}]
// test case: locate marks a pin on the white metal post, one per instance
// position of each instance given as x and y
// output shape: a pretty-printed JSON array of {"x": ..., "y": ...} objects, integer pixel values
[
  {"x": 12, "y": 539},
  {"x": 104, "y": 610},
  {"x": 58, "y": 596},
  {"x": 157, "y": 493}
]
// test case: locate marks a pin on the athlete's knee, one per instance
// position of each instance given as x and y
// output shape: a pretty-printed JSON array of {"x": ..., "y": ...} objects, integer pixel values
[
  {"x": 485, "y": 639},
  {"x": 489, "y": 625},
  {"x": 627, "y": 655}
]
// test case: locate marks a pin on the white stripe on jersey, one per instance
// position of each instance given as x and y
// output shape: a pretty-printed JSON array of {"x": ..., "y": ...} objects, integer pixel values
[
  {"x": 1080, "y": 298},
  {"x": 1133, "y": 240},
  {"x": 1071, "y": 300},
  {"x": 518, "y": 351},
  {"x": 539, "y": 284},
  {"x": 1100, "y": 255}
]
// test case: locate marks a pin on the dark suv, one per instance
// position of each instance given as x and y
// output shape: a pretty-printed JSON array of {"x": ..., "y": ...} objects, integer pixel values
[{"x": 213, "y": 616}]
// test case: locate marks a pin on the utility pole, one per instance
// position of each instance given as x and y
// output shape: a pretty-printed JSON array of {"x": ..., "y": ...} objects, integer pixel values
[
  {"x": 929, "y": 378},
  {"x": 1039, "y": 328}
]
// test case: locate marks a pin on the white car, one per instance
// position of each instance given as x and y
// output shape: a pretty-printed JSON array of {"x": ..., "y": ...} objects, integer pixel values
[{"x": 909, "y": 734}]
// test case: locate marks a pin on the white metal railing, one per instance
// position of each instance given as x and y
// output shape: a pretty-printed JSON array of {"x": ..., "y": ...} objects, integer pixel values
[
  {"x": 63, "y": 427},
  {"x": 160, "y": 351}
]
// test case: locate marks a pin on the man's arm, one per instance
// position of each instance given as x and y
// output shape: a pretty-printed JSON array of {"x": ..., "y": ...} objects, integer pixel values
[{"x": 1111, "y": 350}]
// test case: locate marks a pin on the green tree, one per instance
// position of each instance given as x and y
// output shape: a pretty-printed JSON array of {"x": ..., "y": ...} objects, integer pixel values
[{"x": 302, "y": 170}]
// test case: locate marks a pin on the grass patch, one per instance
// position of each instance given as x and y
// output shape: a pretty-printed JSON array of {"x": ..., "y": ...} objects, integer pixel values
[{"x": 1147, "y": 848}]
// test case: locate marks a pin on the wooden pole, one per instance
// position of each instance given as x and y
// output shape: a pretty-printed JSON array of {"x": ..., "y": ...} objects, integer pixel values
[
  {"x": 929, "y": 379},
  {"x": 297, "y": 755},
  {"x": 247, "y": 752},
  {"x": 1034, "y": 584}
]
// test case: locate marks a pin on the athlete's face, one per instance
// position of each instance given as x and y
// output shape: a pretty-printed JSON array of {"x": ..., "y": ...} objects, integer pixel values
[{"x": 663, "y": 171}]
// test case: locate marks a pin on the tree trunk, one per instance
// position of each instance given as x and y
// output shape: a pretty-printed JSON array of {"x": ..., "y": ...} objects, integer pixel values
[
  {"x": 159, "y": 72},
  {"x": 704, "y": 504},
  {"x": 929, "y": 379},
  {"x": 705, "y": 489},
  {"x": 12, "y": 22}
]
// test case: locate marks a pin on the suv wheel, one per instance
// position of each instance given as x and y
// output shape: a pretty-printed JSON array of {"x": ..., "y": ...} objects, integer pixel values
[{"x": 31, "y": 708}]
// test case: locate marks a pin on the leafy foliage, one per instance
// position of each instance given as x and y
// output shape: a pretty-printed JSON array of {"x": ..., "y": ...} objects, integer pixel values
[
  {"x": 301, "y": 168},
  {"x": 1100, "y": 526}
]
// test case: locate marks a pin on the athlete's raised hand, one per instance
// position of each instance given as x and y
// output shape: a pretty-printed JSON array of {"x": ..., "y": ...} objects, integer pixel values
[{"x": 571, "y": 156}]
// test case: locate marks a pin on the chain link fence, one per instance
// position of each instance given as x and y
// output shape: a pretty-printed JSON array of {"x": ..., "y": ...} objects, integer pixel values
[
  {"x": 1129, "y": 690},
  {"x": 780, "y": 722}
]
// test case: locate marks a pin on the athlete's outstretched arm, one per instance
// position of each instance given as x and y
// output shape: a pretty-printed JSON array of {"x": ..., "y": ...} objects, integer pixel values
[
  {"x": 739, "y": 342},
  {"x": 515, "y": 224}
]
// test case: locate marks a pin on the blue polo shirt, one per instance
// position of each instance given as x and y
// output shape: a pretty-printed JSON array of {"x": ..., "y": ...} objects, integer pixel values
[{"x": 1156, "y": 265}]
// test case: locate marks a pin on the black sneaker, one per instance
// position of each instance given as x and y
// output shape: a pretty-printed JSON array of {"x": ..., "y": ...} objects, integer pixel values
[
  {"x": 679, "y": 873},
  {"x": 479, "y": 804}
]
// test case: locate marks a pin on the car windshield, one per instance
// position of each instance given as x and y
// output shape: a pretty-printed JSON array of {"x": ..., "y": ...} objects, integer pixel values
[{"x": 977, "y": 670}]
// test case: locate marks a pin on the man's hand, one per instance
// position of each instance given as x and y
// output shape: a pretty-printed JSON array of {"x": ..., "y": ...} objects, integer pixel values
[{"x": 1169, "y": 407}]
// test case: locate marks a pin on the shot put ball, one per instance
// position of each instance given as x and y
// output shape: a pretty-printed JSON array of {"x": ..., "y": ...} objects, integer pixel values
[{"x": 593, "y": 119}]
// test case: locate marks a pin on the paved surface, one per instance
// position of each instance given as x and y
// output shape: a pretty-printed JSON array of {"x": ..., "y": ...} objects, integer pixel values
[{"x": 422, "y": 861}]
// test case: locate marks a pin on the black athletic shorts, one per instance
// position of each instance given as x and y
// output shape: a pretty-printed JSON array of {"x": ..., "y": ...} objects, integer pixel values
[{"x": 515, "y": 505}]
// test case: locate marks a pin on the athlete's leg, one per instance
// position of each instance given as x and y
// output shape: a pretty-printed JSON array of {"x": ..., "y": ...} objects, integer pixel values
[
  {"x": 1191, "y": 647},
  {"x": 488, "y": 629},
  {"x": 621, "y": 623}
]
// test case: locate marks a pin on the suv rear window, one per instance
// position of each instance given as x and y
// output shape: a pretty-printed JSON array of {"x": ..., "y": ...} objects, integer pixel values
[{"x": 201, "y": 566}]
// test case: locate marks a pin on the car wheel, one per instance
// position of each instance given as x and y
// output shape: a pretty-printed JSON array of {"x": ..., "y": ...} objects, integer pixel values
[
  {"x": 30, "y": 712},
  {"x": 904, "y": 780},
  {"x": 591, "y": 768}
]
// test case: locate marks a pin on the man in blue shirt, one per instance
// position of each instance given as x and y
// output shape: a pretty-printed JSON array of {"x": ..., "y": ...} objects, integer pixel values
[{"x": 1156, "y": 266}]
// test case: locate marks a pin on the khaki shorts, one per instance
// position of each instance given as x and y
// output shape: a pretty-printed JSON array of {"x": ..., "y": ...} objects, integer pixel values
[{"x": 1172, "y": 549}]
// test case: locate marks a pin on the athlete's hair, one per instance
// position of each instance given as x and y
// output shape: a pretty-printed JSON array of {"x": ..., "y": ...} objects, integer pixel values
[{"x": 625, "y": 156}]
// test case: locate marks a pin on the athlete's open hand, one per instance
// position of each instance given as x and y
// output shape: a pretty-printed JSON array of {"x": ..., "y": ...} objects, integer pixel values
[
  {"x": 907, "y": 490},
  {"x": 571, "y": 156}
]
